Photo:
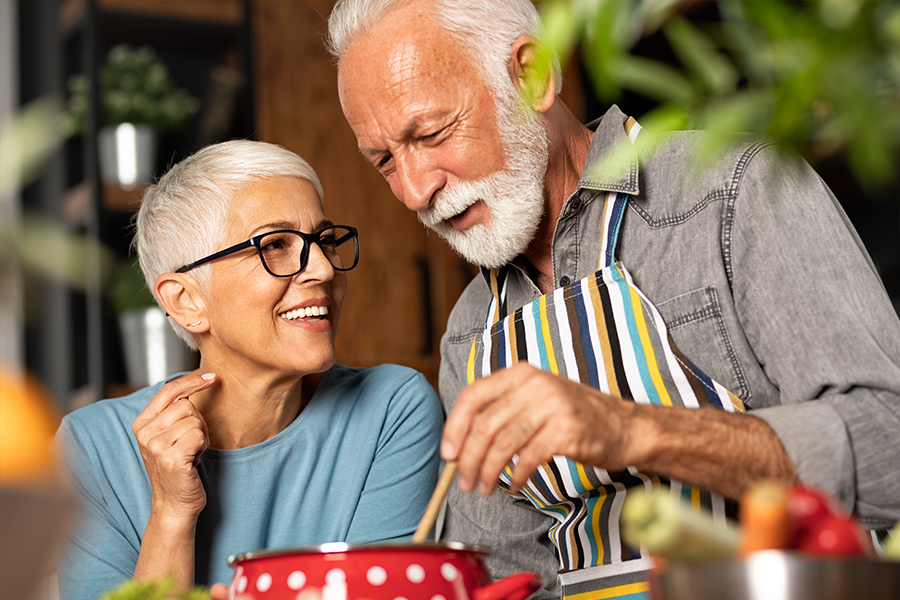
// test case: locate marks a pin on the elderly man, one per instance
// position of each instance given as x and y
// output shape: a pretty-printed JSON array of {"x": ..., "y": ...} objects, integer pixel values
[{"x": 624, "y": 318}]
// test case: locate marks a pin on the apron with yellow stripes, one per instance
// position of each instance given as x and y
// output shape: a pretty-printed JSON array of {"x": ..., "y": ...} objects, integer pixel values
[{"x": 603, "y": 332}]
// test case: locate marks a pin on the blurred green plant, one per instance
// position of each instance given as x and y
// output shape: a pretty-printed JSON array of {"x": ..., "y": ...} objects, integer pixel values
[
  {"x": 134, "y": 87},
  {"x": 129, "y": 290},
  {"x": 819, "y": 76},
  {"x": 30, "y": 242},
  {"x": 26, "y": 140},
  {"x": 153, "y": 590}
]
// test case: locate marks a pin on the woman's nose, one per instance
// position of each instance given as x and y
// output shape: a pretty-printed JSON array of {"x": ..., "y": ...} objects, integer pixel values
[{"x": 318, "y": 265}]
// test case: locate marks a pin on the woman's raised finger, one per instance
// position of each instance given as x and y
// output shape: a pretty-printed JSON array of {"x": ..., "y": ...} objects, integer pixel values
[{"x": 172, "y": 391}]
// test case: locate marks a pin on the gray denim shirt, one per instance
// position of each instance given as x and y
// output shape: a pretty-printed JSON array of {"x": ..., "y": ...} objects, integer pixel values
[{"x": 763, "y": 284}]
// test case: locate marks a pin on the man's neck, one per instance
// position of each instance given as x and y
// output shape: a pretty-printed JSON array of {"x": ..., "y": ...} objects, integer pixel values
[{"x": 569, "y": 145}]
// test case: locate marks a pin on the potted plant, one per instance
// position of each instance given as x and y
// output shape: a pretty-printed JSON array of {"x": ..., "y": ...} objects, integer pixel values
[
  {"x": 138, "y": 102},
  {"x": 152, "y": 349}
]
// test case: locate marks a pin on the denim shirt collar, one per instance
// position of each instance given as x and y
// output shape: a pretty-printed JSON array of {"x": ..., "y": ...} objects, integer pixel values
[{"x": 609, "y": 137}]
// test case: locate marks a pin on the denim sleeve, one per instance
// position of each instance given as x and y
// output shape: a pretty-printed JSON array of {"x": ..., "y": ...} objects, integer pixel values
[{"x": 817, "y": 316}]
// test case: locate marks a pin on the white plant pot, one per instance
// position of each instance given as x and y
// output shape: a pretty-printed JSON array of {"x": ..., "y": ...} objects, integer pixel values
[
  {"x": 127, "y": 154},
  {"x": 152, "y": 349}
]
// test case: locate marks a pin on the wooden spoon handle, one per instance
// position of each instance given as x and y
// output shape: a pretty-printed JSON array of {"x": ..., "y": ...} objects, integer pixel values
[{"x": 434, "y": 504}]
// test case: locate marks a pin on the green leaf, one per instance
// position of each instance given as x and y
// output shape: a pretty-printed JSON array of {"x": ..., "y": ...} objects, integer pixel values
[
  {"x": 701, "y": 56},
  {"x": 653, "y": 78}
]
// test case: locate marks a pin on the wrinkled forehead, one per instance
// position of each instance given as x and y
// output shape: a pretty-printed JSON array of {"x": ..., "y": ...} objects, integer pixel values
[{"x": 405, "y": 49}]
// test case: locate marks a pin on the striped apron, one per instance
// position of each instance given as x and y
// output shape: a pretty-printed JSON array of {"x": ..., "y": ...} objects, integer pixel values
[{"x": 603, "y": 332}]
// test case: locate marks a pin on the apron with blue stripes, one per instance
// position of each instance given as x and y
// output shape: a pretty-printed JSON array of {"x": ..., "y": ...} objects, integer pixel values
[{"x": 603, "y": 332}]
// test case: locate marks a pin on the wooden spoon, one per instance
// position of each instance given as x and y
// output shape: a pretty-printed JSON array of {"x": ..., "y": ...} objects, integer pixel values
[{"x": 431, "y": 511}]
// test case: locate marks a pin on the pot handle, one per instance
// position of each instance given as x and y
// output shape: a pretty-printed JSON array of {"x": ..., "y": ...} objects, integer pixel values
[{"x": 514, "y": 587}]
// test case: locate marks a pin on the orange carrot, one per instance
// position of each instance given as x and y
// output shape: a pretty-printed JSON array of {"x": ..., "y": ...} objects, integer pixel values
[{"x": 765, "y": 518}]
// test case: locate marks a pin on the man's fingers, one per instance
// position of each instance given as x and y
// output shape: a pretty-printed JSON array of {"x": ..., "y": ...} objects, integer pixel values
[
  {"x": 499, "y": 430},
  {"x": 472, "y": 400}
]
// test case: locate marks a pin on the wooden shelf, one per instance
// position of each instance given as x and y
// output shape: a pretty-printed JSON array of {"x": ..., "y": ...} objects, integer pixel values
[
  {"x": 225, "y": 12},
  {"x": 122, "y": 199},
  {"x": 77, "y": 200}
]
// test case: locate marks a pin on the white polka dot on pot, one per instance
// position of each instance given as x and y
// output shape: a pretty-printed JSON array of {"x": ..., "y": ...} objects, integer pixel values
[
  {"x": 449, "y": 572},
  {"x": 242, "y": 584},
  {"x": 264, "y": 582},
  {"x": 335, "y": 577},
  {"x": 296, "y": 580},
  {"x": 415, "y": 573},
  {"x": 400, "y": 598},
  {"x": 438, "y": 597},
  {"x": 376, "y": 575}
]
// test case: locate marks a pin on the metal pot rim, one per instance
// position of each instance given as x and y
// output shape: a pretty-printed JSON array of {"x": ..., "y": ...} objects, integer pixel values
[{"x": 342, "y": 547}]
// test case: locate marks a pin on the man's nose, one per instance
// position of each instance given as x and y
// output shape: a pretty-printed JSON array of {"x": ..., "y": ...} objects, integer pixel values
[{"x": 417, "y": 181}]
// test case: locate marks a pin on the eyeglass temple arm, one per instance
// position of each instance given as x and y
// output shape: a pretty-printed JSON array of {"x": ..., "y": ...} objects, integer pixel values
[{"x": 251, "y": 242}]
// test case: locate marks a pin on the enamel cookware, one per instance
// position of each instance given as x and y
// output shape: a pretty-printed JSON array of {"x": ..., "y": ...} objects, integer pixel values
[{"x": 395, "y": 571}]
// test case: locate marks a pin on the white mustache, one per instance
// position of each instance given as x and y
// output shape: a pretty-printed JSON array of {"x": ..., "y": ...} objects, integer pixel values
[{"x": 450, "y": 202}]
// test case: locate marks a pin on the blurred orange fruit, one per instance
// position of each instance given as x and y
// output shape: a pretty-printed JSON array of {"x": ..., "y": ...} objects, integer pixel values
[{"x": 28, "y": 423}]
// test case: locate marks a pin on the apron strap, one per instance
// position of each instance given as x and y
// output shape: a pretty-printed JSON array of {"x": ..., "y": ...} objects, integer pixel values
[
  {"x": 497, "y": 307},
  {"x": 614, "y": 208}
]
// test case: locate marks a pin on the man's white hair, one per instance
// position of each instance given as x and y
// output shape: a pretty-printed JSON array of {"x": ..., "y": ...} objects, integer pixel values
[
  {"x": 485, "y": 28},
  {"x": 182, "y": 216}
]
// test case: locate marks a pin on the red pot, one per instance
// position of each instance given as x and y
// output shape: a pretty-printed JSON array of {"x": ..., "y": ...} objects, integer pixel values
[{"x": 438, "y": 571}]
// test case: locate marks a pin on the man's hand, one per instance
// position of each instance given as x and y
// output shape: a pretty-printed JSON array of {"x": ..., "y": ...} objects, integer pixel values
[
  {"x": 536, "y": 414},
  {"x": 172, "y": 435}
]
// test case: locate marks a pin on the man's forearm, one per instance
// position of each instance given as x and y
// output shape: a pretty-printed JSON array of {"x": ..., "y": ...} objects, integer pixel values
[{"x": 712, "y": 449}]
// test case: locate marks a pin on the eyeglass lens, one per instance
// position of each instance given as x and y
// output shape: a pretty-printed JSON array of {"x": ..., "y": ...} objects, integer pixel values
[{"x": 283, "y": 251}]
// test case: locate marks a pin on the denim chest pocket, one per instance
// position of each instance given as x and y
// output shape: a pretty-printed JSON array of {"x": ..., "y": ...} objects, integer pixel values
[{"x": 697, "y": 327}]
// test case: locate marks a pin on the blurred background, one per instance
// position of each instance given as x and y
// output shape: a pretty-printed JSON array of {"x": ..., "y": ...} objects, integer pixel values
[{"x": 97, "y": 98}]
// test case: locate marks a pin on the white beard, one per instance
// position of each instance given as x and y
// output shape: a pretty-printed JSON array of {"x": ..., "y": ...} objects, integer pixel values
[{"x": 514, "y": 196}]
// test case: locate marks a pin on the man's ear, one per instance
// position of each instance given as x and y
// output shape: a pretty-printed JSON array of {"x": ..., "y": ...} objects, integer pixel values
[
  {"x": 531, "y": 66},
  {"x": 182, "y": 300}
]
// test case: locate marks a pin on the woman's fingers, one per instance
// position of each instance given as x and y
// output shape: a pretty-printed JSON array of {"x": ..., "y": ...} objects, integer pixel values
[
  {"x": 172, "y": 391},
  {"x": 179, "y": 443},
  {"x": 172, "y": 436},
  {"x": 169, "y": 405}
]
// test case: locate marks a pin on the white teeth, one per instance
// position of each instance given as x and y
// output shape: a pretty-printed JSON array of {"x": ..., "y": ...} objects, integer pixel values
[{"x": 309, "y": 311}]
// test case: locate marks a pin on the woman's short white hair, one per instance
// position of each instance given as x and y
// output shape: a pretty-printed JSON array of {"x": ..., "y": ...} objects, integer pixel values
[
  {"x": 485, "y": 28},
  {"x": 183, "y": 215}
]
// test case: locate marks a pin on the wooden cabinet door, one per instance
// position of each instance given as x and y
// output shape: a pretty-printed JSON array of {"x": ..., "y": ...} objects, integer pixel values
[{"x": 407, "y": 280}]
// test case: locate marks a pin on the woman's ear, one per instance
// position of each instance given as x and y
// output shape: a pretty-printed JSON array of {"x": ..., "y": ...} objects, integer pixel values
[
  {"x": 182, "y": 300},
  {"x": 533, "y": 73}
]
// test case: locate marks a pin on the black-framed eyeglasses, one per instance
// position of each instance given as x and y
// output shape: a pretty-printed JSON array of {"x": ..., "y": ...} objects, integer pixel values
[{"x": 285, "y": 252}]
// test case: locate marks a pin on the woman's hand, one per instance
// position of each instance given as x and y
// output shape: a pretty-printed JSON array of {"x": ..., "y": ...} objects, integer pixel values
[{"x": 172, "y": 435}]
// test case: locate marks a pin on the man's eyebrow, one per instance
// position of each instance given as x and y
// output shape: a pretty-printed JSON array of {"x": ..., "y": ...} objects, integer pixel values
[
  {"x": 407, "y": 132},
  {"x": 369, "y": 154}
]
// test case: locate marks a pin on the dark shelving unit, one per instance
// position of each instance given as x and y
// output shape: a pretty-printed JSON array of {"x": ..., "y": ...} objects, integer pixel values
[{"x": 72, "y": 336}]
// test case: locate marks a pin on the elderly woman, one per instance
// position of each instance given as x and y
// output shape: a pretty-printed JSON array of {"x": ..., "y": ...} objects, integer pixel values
[{"x": 269, "y": 443}]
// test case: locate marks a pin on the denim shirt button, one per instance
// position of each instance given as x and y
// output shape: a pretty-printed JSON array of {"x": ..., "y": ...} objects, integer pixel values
[{"x": 564, "y": 280}]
